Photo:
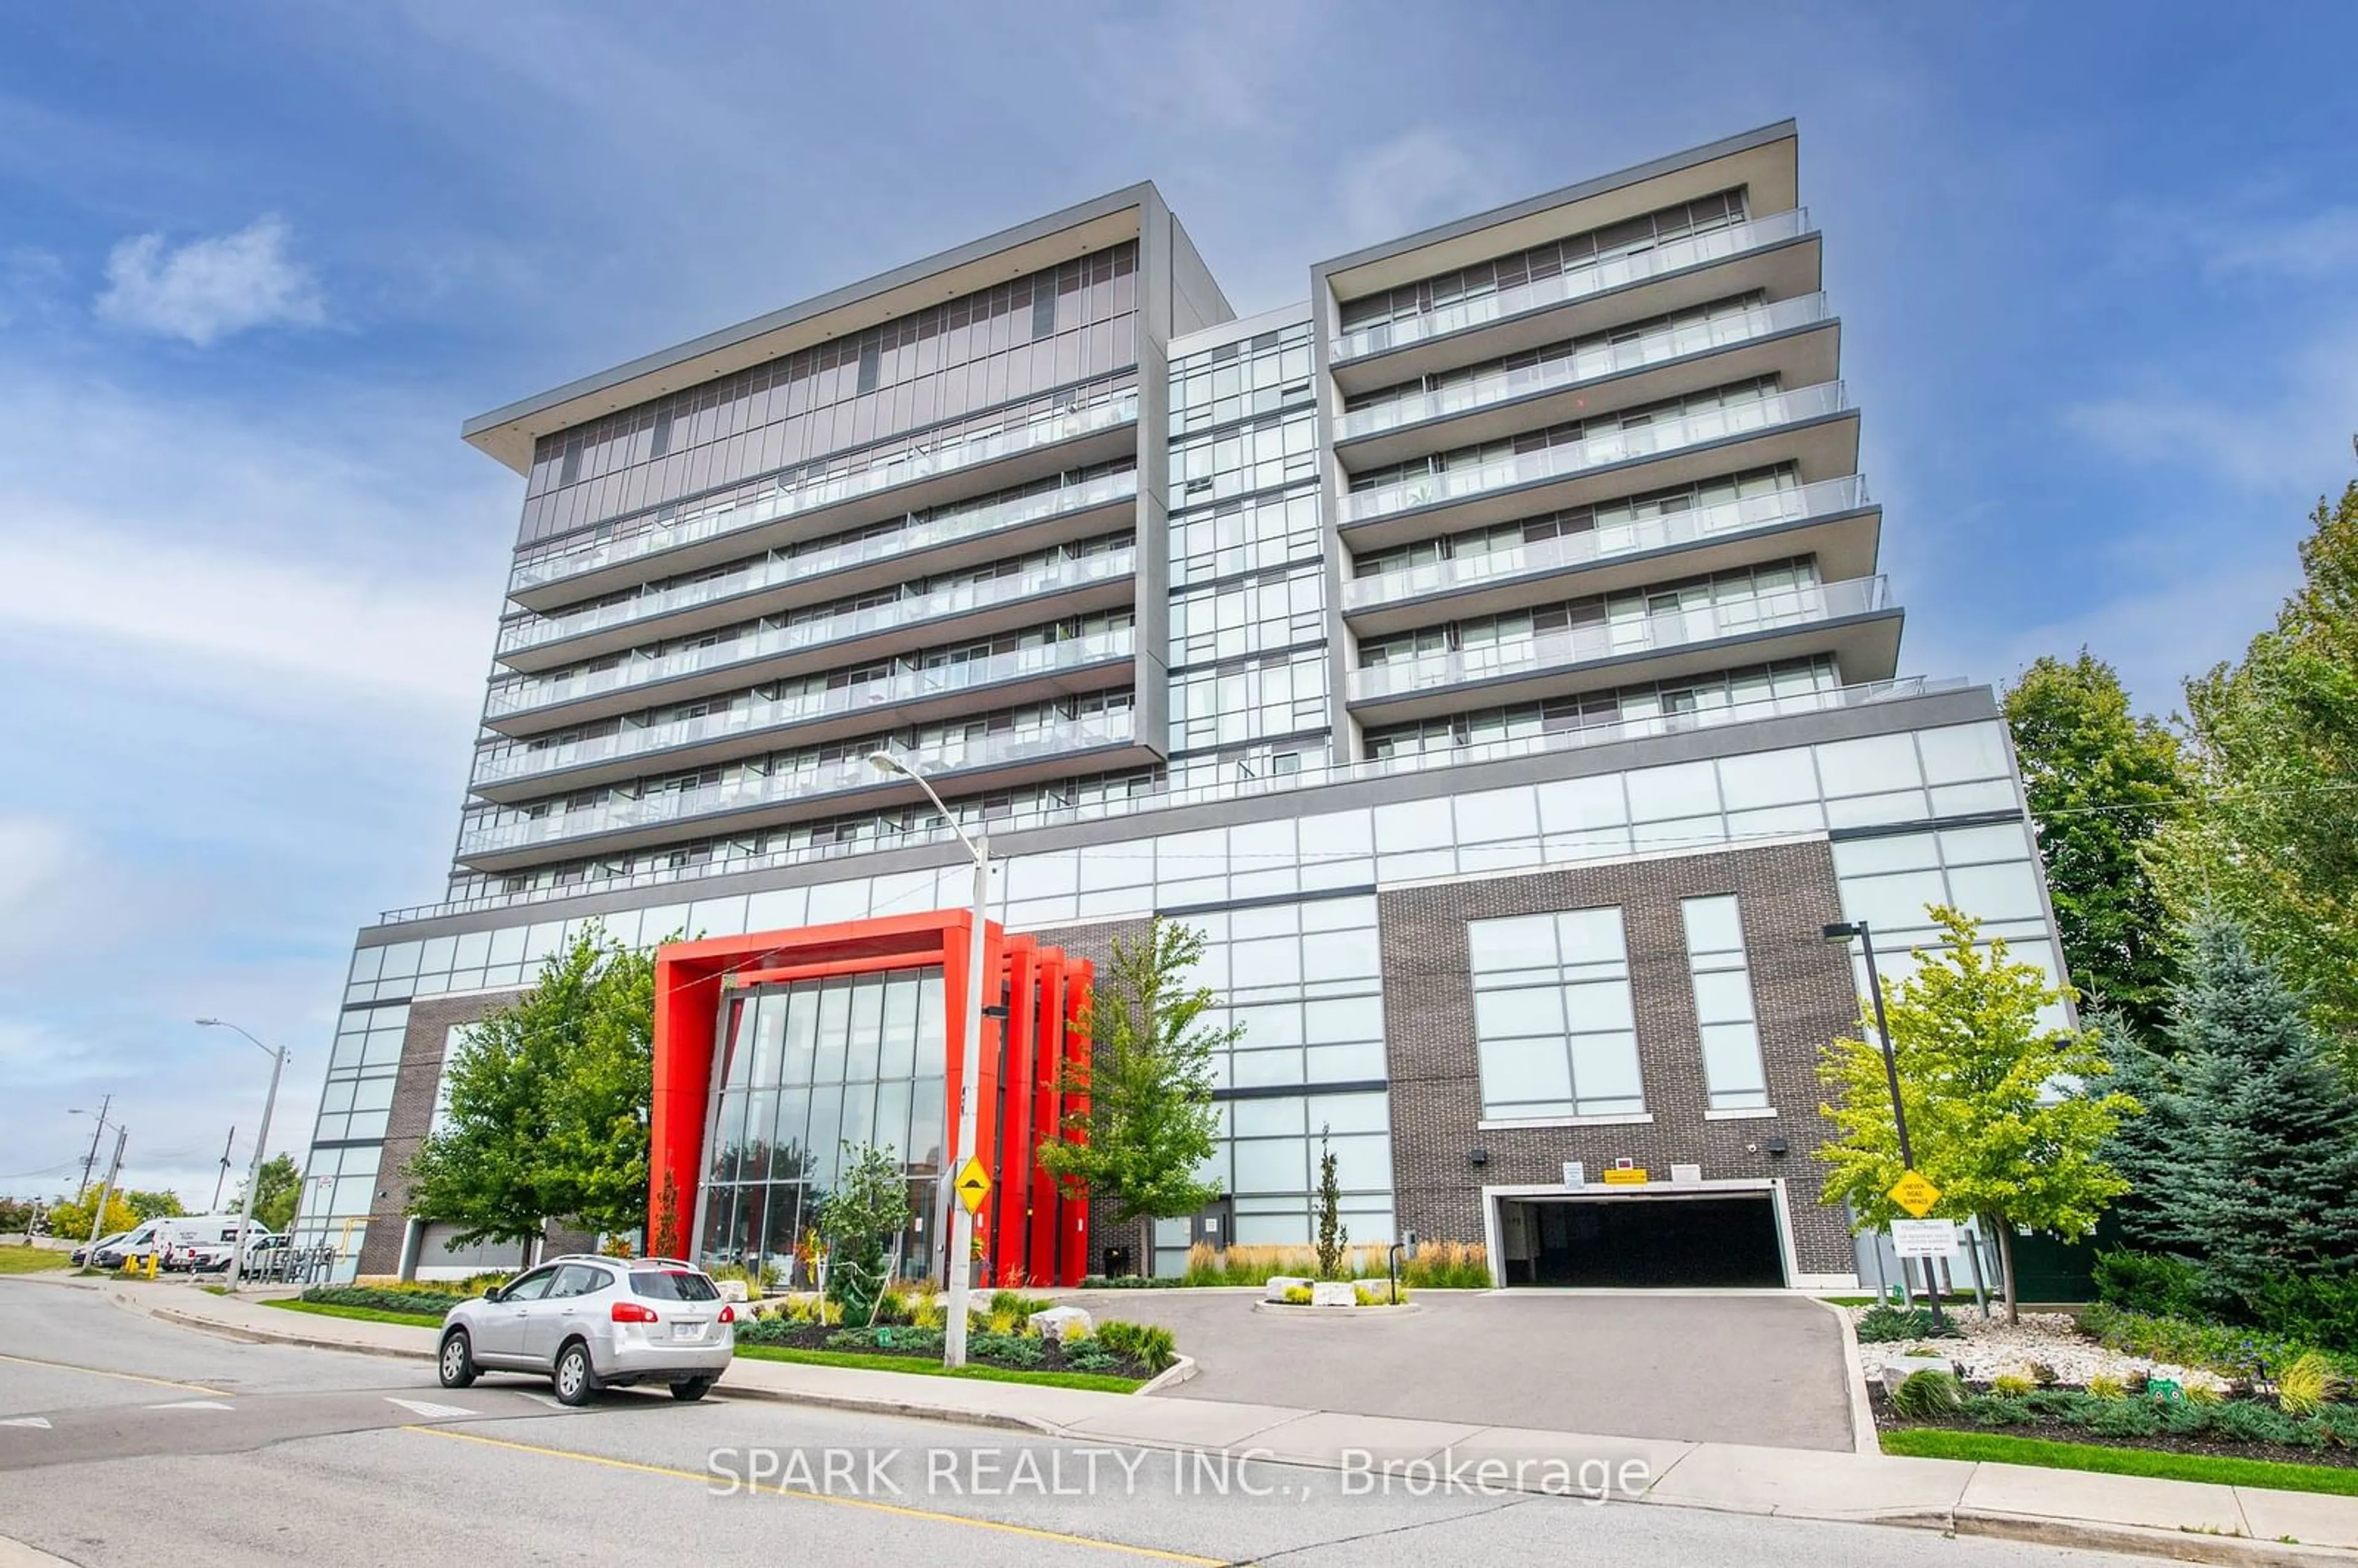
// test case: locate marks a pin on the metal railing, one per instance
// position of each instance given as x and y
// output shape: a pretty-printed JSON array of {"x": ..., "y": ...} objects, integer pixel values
[
  {"x": 904, "y": 466},
  {"x": 525, "y": 694},
  {"x": 535, "y": 631},
  {"x": 1824, "y": 498},
  {"x": 1586, "y": 364},
  {"x": 1617, "y": 445},
  {"x": 1574, "y": 283},
  {"x": 1618, "y": 639},
  {"x": 930, "y": 829}
]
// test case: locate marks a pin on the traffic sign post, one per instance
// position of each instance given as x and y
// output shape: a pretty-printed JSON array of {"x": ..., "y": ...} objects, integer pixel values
[
  {"x": 973, "y": 1186},
  {"x": 1914, "y": 1194}
]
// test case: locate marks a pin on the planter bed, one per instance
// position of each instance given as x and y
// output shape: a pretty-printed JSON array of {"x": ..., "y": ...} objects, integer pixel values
[
  {"x": 2331, "y": 1453},
  {"x": 893, "y": 1344}
]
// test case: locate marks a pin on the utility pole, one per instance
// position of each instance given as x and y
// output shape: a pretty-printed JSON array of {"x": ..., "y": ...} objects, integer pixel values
[
  {"x": 91, "y": 1158},
  {"x": 222, "y": 1174},
  {"x": 98, "y": 1215}
]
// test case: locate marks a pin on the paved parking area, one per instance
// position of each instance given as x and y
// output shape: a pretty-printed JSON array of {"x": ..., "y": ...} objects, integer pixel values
[{"x": 1720, "y": 1366}]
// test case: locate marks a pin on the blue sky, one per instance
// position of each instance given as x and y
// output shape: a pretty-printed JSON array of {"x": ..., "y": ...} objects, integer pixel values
[{"x": 2097, "y": 266}]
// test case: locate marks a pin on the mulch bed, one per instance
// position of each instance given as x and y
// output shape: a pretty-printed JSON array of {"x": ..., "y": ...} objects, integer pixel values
[
  {"x": 816, "y": 1336},
  {"x": 2053, "y": 1429}
]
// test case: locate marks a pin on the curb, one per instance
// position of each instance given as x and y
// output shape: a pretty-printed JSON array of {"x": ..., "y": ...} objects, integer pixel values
[
  {"x": 2138, "y": 1541},
  {"x": 263, "y": 1337},
  {"x": 1863, "y": 1435},
  {"x": 903, "y": 1408},
  {"x": 1178, "y": 1372}
]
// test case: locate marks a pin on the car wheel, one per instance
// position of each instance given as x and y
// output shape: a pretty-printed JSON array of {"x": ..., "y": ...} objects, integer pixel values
[
  {"x": 575, "y": 1380},
  {"x": 458, "y": 1363},
  {"x": 692, "y": 1389}
]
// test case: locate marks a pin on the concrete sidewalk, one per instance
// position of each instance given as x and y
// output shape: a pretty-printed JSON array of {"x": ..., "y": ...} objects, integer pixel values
[{"x": 2184, "y": 1520}]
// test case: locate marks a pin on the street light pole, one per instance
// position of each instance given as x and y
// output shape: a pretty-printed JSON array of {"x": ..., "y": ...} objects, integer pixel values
[
  {"x": 261, "y": 1145},
  {"x": 1841, "y": 932},
  {"x": 961, "y": 1261}
]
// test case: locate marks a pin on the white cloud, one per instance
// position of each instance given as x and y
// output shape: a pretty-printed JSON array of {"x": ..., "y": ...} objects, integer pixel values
[
  {"x": 2320, "y": 244},
  {"x": 1412, "y": 181},
  {"x": 210, "y": 288}
]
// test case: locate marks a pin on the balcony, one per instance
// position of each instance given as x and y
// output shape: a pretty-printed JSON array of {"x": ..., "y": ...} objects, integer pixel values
[
  {"x": 1795, "y": 340},
  {"x": 906, "y": 480},
  {"x": 531, "y": 704},
  {"x": 1777, "y": 252},
  {"x": 1833, "y": 519},
  {"x": 947, "y": 544},
  {"x": 1854, "y": 620},
  {"x": 511, "y": 771},
  {"x": 1005, "y": 760},
  {"x": 1811, "y": 427}
]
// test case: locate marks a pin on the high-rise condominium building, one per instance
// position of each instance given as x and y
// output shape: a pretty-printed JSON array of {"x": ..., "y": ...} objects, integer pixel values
[{"x": 1488, "y": 655}]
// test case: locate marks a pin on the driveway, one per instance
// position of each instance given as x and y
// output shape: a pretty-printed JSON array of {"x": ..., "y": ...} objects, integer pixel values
[{"x": 1720, "y": 1366}]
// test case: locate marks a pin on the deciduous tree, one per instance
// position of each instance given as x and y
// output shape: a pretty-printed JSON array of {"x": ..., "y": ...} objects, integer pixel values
[
  {"x": 278, "y": 1192},
  {"x": 1996, "y": 1114}
]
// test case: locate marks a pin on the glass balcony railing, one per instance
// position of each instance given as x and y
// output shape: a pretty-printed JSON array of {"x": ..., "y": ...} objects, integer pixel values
[
  {"x": 1604, "y": 542},
  {"x": 1595, "y": 278},
  {"x": 527, "y": 693},
  {"x": 1494, "y": 387},
  {"x": 903, "y": 467},
  {"x": 841, "y": 776},
  {"x": 512, "y": 761},
  {"x": 1619, "y": 444},
  {"x": 1616, "y": 639},
  {"x": 929, "y": 829},
  {"x": 535, "y": 631}
]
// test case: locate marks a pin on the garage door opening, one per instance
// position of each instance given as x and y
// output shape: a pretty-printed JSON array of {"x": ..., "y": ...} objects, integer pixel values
[{"x": 1726, "y": 1240}]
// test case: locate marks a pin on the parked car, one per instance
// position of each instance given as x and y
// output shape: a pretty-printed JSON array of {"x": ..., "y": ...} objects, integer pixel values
[
  {"x": 89, "y": 1248},
  {"x": 588, "y": 1322}
]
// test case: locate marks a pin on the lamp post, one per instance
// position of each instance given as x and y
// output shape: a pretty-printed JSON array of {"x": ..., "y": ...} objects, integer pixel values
[
  {"x": 1839, "y": 932},
  {"x": 261, "y": 1145},
  {"x": 961, "y": 1252}
]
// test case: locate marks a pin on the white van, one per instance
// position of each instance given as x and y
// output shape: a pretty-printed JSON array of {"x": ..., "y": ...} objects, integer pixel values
[{"x": 183, "y": 1242}]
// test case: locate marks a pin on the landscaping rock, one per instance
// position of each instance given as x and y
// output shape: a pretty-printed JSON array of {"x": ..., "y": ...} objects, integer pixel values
[
  {"x": 1897, "y": 1370},
  {"x": 1280, "y": 1284},
  {"x": 1333, "y": 1293},
  {"x": 1051, "y": 1324}
]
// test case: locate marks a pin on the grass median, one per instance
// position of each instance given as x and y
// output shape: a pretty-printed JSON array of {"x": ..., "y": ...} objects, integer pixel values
[
  {"x": 358, "y": 1313},
  {"x": 860, "y": 1361},
  {"x": 31, "y": 1260},
  {"x": 1934, "y": 1442}
]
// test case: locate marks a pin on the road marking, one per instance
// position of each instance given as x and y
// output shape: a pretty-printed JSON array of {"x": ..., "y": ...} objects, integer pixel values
[
  {"x": 103, "y": 1372},
  {"x": 427, "y": 1409},
  {"x": 897, "y": 1509},
  {"x": 193, "y": 1405},
  {"x": 37, "y": 1421}
]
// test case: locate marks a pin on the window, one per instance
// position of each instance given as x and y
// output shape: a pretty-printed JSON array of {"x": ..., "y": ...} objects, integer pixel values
[
  {"x": 579, "y": 1279},
  {"x": 1724, "y": 1018},
  {"x": 531, "y": 1288},
  {"x": 1554, "y": 1025},
  {"x": 672, "y": 1285}
]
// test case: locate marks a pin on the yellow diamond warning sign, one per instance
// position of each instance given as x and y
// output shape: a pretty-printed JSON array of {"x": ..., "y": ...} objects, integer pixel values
[
  {"x": 973, "y": 1184},
  {"x": 1914, "y": 1194}
]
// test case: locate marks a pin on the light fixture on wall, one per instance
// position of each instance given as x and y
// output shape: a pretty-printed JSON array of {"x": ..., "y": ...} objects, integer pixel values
[{"x": 1477, "y": 1157}]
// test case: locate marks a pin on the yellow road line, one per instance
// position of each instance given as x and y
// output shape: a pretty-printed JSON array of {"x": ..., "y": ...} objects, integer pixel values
[
  {"x": 870, "y": 1504},
  {"x": 126, "y": 1377}
]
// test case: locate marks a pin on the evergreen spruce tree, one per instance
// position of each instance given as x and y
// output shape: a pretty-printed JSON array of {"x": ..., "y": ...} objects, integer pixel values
[
  {"x": 2273, "y": 1187},
  {"x": 2155, "y": 1150}
]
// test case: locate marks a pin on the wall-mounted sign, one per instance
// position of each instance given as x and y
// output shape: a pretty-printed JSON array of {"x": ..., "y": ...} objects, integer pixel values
[
  {"x": 1625, "y": 1177},
  {"x": 1575, "y": 1174}
]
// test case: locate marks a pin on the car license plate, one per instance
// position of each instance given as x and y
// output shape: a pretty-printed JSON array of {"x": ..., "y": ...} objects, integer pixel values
[{"x": 687, "y": 1331}]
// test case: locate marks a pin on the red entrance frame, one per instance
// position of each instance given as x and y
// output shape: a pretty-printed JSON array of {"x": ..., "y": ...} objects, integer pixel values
[{"x": 1029, "y": 1230}]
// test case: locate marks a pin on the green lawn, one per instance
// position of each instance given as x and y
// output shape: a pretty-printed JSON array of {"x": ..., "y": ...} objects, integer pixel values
[
  {"x": 1095, "y": 1383},
  {"x": 31, "y": 1260},
  {"x": 360, "y": 1315},
  {"x": 1933, "y": 1442}
]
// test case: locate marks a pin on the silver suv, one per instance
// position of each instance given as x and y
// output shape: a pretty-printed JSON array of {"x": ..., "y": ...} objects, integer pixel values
[{"x": 590, "y": 1323}]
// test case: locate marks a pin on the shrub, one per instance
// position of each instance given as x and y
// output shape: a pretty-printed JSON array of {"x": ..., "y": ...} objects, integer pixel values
[
  {"x": 1378, "y": 1292},
  {"x": 2155, "y": 1282},
  {"x": 1929, "y": 1395},
  {"x": 1157, "y": 1348},
  {"x": 770, "y": 1330},
  {"x": 1088, "y": 1355},
  {"x": 1892, "y": 1326},
  {"x": 1011, "y": 1349},
  {"x": 1014, "y": 1304},
  {"x": 2013, "y": 1384},
  {"x": 2125, "y": 1418},
  {"x": 896, "y": 1339},
  {"x": 926, "y": 1310},
  {"x": 1297, "y": 1295},
  {"x": 2248, "y": 1420},
  {"x": 2234, "y": 1352},
  {"x": 1144, "y": 1343},
  {"x": 1448, "y": 1266},
  {"x": 2061, "y": 1404},
  {"x": 2315, "y": 1309},
  {"x": 2105, "y": 1386},
  {"x": 1995, "y": 1409},
  {"x": 2185, "y": 1420},
  {"x": 2308, "y": 1385},
  {"x": 1121, "y": 1337},
  {"x": 384, "y": 1298}
]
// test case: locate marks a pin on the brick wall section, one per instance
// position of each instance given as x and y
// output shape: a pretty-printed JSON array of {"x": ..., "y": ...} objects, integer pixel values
[
  {"x": 1802, "y": 993},
  {"x": 413, "y": 1093}
]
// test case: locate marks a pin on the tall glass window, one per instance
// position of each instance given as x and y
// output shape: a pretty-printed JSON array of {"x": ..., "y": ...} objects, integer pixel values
[
  {"x": 1732, "y": 1068},
  {"x": 810, "y": 1069},
  {"x": 1553, "y": 1022}
]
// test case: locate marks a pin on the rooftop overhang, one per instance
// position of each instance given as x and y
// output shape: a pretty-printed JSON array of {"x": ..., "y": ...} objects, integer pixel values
[
  {"x": 510, "y": 434},
  {"x": 1766, "y": 161}
]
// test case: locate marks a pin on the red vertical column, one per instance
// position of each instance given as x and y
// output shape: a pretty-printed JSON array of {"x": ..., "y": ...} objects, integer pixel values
[
  {"x": 1048, "y": 1063},
  {"x": 1073, "y": 1218},
  {"x": 1010, "y": 1197},
  {"x": 686, "y": 1001}
]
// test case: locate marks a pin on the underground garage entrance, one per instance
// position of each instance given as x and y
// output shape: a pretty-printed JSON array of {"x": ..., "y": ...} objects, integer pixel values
[{"x": 1656, "y": 1240}]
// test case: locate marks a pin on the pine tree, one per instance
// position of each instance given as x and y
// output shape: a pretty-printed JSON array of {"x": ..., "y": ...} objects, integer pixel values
[
  {"x": 2152, "y": 1150},
  {"x": 2273, "y": 1189}
]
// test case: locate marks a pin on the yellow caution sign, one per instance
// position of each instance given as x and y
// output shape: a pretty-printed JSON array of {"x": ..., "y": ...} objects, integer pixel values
[
  {"x": 1914, "y": 1194},
  {"x": 973, "y": 1184},
  {"x": 1624, "y": 1175}
]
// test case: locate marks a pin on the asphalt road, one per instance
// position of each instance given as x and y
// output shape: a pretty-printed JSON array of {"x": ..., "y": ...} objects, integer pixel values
[
  {"x": 127, "y": 1441},
  {"x": 1717, "y": 1367}
]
